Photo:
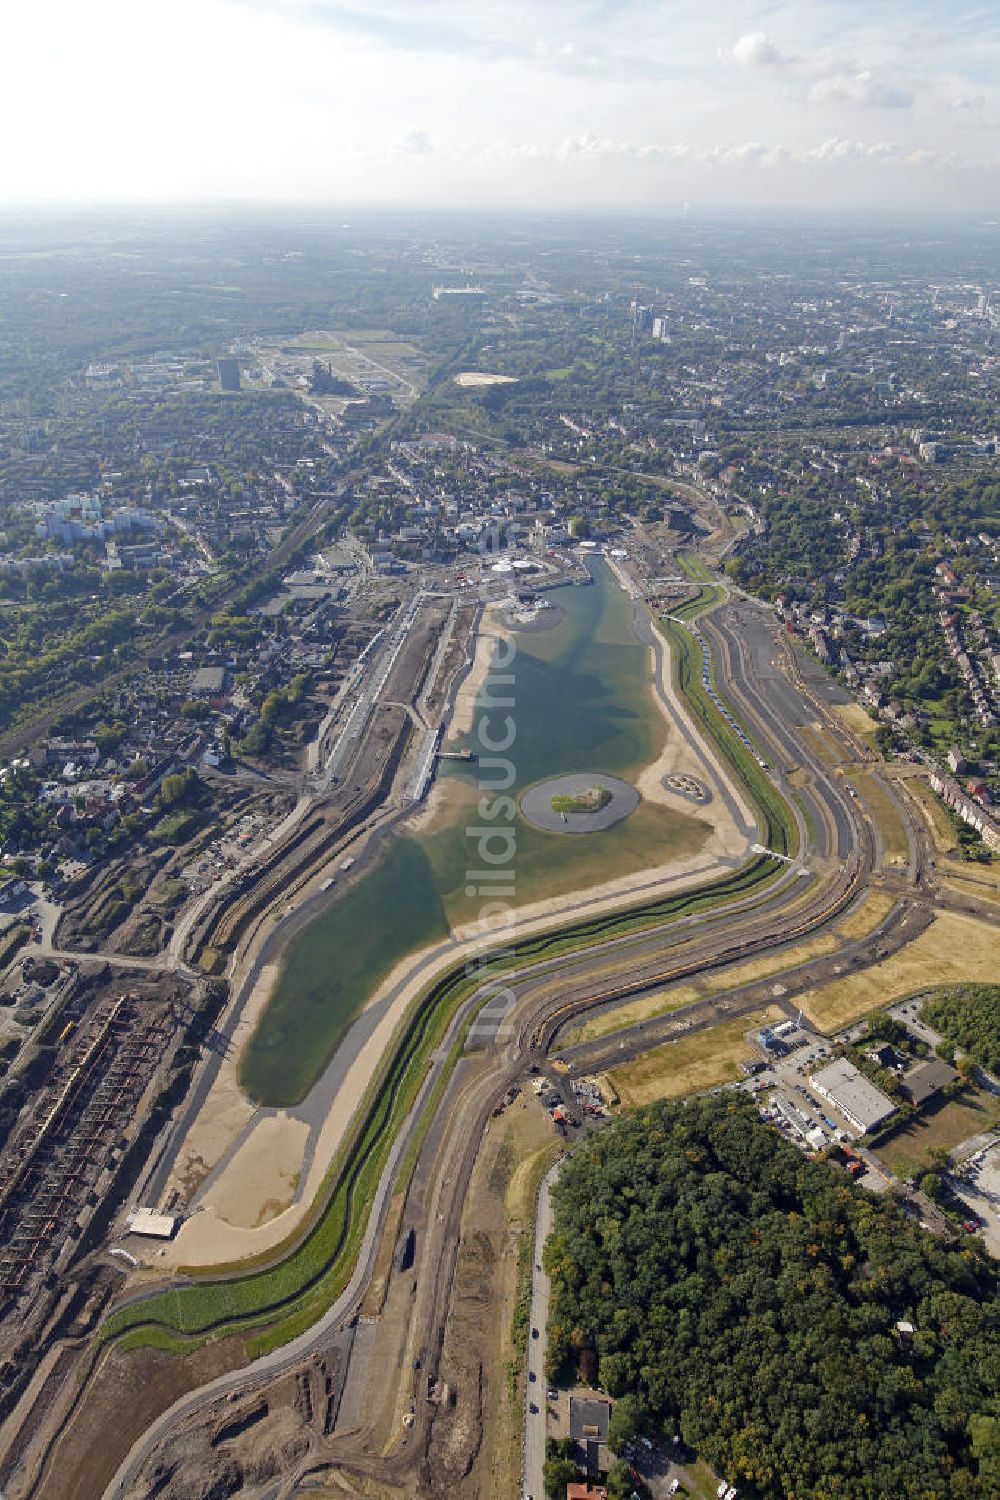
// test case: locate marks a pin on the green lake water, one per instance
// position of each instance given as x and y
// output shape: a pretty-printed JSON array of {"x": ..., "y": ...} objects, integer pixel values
[{"x": 583, "y": 701}]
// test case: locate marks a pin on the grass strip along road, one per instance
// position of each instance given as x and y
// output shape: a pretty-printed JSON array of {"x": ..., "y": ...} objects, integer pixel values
[
  {"x": 292, "y": 1286},
  {"x": 780, "y": 830}
]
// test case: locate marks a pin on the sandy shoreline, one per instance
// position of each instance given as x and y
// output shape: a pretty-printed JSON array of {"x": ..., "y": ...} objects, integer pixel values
[
  {"x": 463, "y": 715},
  {"x": 490, "y": 631},
  {"x": 244, "y": 1212},
  {"x": 259, "y": 1177}
]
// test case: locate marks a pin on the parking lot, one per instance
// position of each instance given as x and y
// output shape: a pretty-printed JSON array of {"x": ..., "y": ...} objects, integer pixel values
[{"x": 909, "y": 1013}]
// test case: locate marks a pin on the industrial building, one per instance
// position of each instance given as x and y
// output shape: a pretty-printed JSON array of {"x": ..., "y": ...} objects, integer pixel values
[
  {"x": 229, "y": 374},
  {"x": 848, "y": 1090}
]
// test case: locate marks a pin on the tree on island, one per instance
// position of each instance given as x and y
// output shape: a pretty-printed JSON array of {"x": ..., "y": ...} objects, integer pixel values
[{"x": 591, "y": 801}]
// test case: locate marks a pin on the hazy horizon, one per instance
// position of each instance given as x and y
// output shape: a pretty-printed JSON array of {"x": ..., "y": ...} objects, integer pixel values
[{"x": 609, "y": 107}]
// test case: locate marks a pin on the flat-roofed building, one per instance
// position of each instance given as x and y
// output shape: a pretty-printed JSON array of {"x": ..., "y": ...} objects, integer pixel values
[
  {"x": 150, "y": 1224},
  {"x": 848, "y": 1090},
  {"x": 208, "y": 682},
  {"x": 229, "y": 374},
  {"x": 589, "y": 1419}
]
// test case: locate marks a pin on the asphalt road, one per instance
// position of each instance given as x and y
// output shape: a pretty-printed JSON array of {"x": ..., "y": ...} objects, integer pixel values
[
  {"x": 534, "y": 1421},
  {"x": 745, "y": 639}
]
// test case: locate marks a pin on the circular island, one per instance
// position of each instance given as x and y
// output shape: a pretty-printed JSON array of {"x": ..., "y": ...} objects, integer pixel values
[{"x": 581, "y": 802}]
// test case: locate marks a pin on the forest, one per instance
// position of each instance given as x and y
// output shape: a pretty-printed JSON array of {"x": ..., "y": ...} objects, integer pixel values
[
  {"x": 729, "y": 1288},
  {"x": 969, "y": 1016}
]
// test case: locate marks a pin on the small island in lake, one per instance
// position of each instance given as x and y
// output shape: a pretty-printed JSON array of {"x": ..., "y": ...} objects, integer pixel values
[{"x": 590, "y": 801}]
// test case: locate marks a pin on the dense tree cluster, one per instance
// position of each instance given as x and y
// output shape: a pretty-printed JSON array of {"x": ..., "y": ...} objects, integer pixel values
[
  {"x": 969, "y": 1016},
  {"x": 750, "y": 1297}
]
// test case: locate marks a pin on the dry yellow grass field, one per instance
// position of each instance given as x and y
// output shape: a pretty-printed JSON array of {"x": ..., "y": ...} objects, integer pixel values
[
  {"x": 953, "y": 950},
  {"x": 535, "y": 1147},
  {"x": 637, "y": 1010},
  {"x": 879, "y": 803},
  {"x": 934, "y": 814},
  {"x": 981, "y": 881},
  {"x": 696, "y": 1061},
  {"x": 774, "y": 963},
  {"x": 662, "y": 1004},
  {"x": 873, "y": 908},
  {"x": 855, "y": 718},
  {"x": 946, "y": 1126},
  {"x": 865, "y": 917}
]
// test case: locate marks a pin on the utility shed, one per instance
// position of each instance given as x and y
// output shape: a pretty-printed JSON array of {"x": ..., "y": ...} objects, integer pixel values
[
  {"x": 849, "y": 1091},
  {"x": 152, "y": 1225}
]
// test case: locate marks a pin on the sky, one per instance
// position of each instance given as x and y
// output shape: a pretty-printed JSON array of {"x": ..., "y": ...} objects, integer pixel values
[{"x": 656, "y": 106}]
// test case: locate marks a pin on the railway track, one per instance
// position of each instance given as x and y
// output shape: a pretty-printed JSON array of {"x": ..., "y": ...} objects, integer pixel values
[
  {"x": 382, "y": 739},
  {"x": 287, "y": 866},
  {"x": 750, "y": 947}
]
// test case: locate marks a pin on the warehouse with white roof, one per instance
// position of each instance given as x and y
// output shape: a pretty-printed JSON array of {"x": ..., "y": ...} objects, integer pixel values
[{"x": 848, "y": 1090}]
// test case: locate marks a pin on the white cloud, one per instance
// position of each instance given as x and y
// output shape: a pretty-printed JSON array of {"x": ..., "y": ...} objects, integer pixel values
[
  {"x": 754, "y": 49},
  {"x": 864, "y": 89},
  {"x": 414, "y": 143},
  {"x": 506, "y": 101},
  {"x": 967, "y": 106},
  {"x": 839, "y": 150},
  {"x": 748, "y": 153},
  {"x": 588, "y": 148}
]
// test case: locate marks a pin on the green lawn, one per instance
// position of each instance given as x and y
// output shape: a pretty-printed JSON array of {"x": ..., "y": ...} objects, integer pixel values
[{"x": 692, "y": 567}]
